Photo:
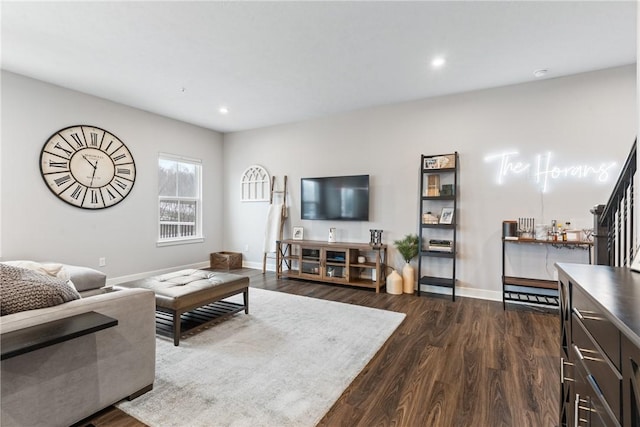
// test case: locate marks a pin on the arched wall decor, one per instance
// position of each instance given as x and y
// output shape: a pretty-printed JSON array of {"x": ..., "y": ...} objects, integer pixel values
[{"x": 255, "y": 184}]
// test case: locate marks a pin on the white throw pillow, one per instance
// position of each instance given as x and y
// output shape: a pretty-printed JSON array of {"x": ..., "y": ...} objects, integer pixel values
[{"x": 47, "y": 268}]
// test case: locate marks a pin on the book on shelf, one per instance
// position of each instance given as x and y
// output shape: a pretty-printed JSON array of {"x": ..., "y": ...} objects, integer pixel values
[{"x": 440, "y": 245}]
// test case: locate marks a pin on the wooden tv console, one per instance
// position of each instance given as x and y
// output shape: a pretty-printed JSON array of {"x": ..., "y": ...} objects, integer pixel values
[{"x": 332, "y": 262}]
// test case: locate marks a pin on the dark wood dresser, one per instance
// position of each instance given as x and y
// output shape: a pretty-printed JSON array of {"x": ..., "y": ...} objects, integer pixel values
[{"x": 600, "y": 337}]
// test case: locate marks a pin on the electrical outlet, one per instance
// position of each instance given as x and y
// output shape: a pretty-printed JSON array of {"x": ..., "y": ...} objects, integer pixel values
[
  {"x": 246, "y": 248},
  {"x": 102, "y": 262}
]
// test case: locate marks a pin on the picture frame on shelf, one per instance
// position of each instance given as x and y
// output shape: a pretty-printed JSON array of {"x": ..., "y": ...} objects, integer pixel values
[
  {"x": 447, "y": 161},
  {"x": 446, "y": 216},
  {"x": 298, "y": 233},
  {"x": 431, "y": 163}
]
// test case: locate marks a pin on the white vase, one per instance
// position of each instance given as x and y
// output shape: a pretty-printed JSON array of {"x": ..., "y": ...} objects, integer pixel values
[
  {"x": 394, "y": 283},
  {"x": 408, "y": 273}
]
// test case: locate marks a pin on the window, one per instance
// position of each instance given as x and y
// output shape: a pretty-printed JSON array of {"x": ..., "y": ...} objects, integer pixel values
[{"x": 179, "y": 199}]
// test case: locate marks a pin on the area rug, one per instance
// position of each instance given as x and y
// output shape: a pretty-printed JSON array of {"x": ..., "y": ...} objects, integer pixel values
[{"x": 284, "y": 364}]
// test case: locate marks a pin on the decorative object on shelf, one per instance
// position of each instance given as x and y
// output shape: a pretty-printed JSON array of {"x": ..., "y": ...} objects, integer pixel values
[
  {"x": 408, "y": 247},
  {"x": 429, "y": 218},
  {"x": 332, "y": 235},
  {"x": 362, "y": 259},
  {"x": 446, "y": 216},
  {"x": 433, "y": 185},
  {"x": 447, "y": 190},
  {"x": 298, "y": 233},
  {"x": 541, "y": 232},
  {"x": 376, "y": 237},
  {"x": 394, "y": 283},
  {"x": 573, "y": 235},
  {"x": 526, "y": 228},
  {"x": 554, "y": 230},
  {"x": 510, "y": 230},
  {"x": 87, "y": 167}
]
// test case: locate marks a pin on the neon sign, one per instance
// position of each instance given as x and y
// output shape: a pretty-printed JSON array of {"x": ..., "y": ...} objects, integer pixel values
[{"x": 542, "y": 170}]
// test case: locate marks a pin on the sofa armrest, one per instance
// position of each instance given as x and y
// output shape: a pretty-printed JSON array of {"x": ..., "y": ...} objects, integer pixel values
[
  {"x": 66, "y": 382},
  {"x": 104, "y": 303}
]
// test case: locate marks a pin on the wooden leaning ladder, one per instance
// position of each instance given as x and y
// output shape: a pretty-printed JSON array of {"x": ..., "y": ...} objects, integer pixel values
[{"x": 283, "y": 214}]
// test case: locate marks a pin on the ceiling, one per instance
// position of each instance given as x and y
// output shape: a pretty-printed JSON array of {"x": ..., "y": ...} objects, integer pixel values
[{"x": 280, "y": 62}]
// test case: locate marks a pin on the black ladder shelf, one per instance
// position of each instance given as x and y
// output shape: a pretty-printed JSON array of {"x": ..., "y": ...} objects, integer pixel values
[{"x": 437, "y": 221}]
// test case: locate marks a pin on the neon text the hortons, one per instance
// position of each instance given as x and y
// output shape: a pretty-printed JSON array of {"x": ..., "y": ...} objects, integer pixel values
[{"x": 542, "y": 170}]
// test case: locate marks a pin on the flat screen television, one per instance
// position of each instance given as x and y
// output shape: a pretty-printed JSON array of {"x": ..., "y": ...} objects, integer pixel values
[{"x": 335, "y": 198}]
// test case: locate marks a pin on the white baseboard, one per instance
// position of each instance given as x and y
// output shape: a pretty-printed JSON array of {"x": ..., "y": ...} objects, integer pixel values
[
  {"x": 465, "y": 292},
  {"x": 258, "y": 265},
  {"x": 460, "y": 291}
]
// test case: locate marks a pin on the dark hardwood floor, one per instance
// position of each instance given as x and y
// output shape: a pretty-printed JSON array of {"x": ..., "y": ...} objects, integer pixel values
[{"x": 463, "y": 363}]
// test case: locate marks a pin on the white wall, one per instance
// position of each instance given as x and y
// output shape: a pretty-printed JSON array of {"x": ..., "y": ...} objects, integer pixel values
[
  {"x": 589, "y": 118},
  {"x": 37, "y": 225}
]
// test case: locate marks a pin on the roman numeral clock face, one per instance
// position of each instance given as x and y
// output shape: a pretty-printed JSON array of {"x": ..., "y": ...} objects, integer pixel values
[{"x": 87, "y": 167}]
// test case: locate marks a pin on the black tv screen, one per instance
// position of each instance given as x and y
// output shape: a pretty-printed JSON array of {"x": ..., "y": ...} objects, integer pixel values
[{"x": 336, "y": 198}]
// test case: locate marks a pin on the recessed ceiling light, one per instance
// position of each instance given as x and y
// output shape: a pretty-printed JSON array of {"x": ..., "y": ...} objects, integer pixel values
[
  {"x": 541, "y": 72},
  {"x": 223, "y": 110},
  {"x": 437, "y": 62}
]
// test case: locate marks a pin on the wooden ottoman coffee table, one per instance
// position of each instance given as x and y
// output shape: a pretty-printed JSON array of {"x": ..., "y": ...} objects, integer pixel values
[{"x": 190, "y": 299}]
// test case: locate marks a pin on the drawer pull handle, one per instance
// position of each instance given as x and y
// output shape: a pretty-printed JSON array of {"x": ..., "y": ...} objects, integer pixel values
[
  {"x": 562, "y": 377},
  {"x": 579, "y": 351},
  {"x": 583, "y": 317},
  {"x": 576, "y": 411}
]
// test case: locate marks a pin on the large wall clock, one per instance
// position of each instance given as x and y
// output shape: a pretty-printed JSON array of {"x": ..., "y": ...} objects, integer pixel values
[{"x": 87, "y": 167}]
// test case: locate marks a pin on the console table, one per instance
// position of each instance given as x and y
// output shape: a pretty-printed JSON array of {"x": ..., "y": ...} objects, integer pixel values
[
  {"x": 332, "y": 262},
  {"x": 22, "y": 341},
  {"x": 531, "y": 290},
  {"x": 600, "y": 345}
]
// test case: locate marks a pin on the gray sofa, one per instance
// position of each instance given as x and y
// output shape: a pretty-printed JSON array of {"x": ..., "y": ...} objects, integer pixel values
[{"x": 64, "y": 383}]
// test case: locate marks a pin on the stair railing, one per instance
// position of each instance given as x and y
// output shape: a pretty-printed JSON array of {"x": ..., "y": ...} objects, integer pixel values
[{"x": 614, "y": 237}]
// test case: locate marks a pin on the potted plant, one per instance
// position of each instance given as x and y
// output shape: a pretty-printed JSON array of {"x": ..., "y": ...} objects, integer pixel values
[{"x": 408, "y": 248}]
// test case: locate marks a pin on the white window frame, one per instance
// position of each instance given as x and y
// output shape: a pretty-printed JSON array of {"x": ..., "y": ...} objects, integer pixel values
[{"x": 198, "y": 237}]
